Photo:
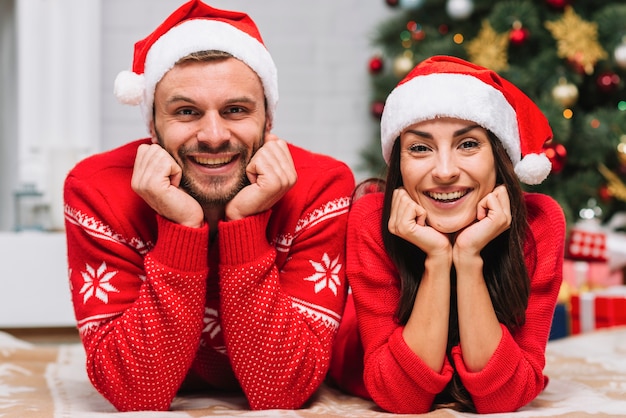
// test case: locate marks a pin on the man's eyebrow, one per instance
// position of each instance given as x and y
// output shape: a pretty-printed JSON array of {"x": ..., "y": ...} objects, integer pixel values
[{"x": 179, "y": 98}]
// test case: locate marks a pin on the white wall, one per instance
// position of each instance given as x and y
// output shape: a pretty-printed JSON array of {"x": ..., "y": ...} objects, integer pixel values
[
  {"x": 57, "y": 102},
  {"x": 35, "y": 289},
  {"x": 8, "y": 129},
  {"x": 321, "y": 48}
]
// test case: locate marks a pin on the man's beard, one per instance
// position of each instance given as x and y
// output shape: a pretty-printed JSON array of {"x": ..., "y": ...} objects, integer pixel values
[{"x": 211, "y": 192}]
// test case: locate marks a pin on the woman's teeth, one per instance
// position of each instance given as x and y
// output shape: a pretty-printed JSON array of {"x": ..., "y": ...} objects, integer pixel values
[{"x": 447, "y": 196}]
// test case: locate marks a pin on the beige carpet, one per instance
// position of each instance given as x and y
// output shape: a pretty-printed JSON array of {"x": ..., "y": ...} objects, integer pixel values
[{"x": 587, "y": 379}]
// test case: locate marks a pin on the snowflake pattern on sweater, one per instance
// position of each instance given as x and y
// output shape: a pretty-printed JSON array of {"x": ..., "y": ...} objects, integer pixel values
[{"x": 255, "y": 310}]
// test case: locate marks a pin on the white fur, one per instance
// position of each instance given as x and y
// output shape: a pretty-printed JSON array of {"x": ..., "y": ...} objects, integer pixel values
[
  {"x": 449, "y": 95},
  {"x": 200, "y": 35}
]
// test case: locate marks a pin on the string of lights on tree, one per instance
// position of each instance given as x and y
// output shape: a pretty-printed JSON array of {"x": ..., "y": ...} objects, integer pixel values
[{"x": 569, "y": 56}]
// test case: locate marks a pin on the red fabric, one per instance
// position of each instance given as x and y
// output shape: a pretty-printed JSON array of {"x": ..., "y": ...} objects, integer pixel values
[
  {"x": 194, "y": 9},
  {"x": 393, "y": 376},
  {"x": 587, "y": 245},
  {"x": 257, "y": 309},
  {"x": 534, "y": 128}
]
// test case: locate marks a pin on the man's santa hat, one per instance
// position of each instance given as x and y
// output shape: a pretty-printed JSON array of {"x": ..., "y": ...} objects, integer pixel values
[
  {"x": 443, "y": 86},
  {"x": 195, "y": 27}
]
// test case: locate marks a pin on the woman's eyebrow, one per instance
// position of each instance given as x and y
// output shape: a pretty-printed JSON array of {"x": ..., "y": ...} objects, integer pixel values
[
  {"x": 466, "y": 129},
  {"x": 456, "y": 133}
]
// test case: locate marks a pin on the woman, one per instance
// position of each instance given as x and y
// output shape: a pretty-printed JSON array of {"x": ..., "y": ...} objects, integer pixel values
[{"x": 454, "y": 270}]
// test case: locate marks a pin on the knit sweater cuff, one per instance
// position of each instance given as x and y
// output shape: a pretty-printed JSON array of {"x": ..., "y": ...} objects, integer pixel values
[
  {"x": 427, "y": 378},
  {"x": 491, "y": 377},
  {"x": 244, "y": 240},
  {"x": 180, "y": 247}
]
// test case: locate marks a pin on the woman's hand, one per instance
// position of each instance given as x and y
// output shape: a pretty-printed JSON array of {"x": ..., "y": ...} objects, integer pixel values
[
  {"x": 493, "y": 218},
  {"x": 479, "y": 329},
  {"x": 408, "y": 221}
]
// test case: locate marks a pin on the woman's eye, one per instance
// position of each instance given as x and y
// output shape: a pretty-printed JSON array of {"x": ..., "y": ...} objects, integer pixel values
[
  {"x": 418, "y": 148},
  {"x": 469, "y": 144}
]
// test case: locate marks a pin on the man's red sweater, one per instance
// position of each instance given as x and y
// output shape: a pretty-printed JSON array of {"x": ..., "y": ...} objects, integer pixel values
[{"x": 258, "y": 308}]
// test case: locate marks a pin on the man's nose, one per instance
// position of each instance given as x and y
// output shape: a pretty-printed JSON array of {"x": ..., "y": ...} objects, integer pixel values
[{"x": 213, "y": 128}]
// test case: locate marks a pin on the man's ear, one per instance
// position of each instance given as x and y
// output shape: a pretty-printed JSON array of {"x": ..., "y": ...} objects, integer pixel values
[
  {"x": 268, "y": 125},
  {"x": 153, "y": 134}
]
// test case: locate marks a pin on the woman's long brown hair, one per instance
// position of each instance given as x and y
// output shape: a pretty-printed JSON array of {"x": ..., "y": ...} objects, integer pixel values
[{"x": 504, "y": 268}]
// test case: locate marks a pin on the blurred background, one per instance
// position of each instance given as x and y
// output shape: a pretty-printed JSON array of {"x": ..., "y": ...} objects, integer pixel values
[
  {"x": 60, "y": 58},
  {"x": 337, "y": 62}
]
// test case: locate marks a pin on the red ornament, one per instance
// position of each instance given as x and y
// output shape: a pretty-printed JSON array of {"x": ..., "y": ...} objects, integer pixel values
[
  {"x": 608, "y": 82},
  {"x": 557, "y": 154},
  {"x": 558, "y": 4},
  {"x": 392, "y": 3},
  {"x": 376, "y": 65},
  {"x": 576, "y": 65},
  {"x": 519, "y": 36},
  {"x": 377, "y": 109},
  {"x": 604, "y": 193}
]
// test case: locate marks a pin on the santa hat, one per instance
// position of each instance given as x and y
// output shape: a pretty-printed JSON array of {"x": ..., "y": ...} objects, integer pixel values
[
  {"x": 444, "y": 86},
  {"x": 195, "y": 27}
]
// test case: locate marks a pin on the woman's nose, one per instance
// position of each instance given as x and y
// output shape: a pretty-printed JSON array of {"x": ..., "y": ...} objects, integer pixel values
[{"x": 446, "y": 168}]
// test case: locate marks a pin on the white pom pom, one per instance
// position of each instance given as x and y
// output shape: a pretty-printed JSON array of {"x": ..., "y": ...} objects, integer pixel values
[
  {"x": 129, "y": 88},
  {"x": 533, "y": 168}
]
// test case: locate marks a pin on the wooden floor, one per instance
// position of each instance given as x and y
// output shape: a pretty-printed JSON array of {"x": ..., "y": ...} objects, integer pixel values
[{"x": 45, "y": 336}]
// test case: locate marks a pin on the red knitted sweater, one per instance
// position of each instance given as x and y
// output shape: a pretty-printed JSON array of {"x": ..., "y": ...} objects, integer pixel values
[
  {"x": 258, "y": 308},
  {"x": 396, "y": 378}
]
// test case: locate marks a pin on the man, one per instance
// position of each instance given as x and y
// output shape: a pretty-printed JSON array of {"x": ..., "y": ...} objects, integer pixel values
[{"x": 212, "y": 250}]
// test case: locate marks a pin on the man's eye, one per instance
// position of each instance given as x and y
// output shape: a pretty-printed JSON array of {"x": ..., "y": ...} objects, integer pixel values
[
  {"x": 186, "y": 112},
  {"x": 235, "y": 110}
]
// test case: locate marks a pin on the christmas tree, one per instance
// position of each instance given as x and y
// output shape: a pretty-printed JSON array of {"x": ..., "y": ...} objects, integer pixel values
[{"x": 569, "y": 56}]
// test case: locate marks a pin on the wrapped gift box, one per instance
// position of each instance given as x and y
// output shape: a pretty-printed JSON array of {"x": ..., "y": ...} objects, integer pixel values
[
  {"x": 584, "y": 275},
  {"x": 587, "y": 242},
  {"x": 598, "y": 309},
  {"x": 560, "y": 323}
]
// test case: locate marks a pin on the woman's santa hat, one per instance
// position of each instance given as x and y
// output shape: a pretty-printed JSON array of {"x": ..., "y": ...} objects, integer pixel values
[
  {"x": 443, "y": 86},
  {"x": 195, "y": 27}
]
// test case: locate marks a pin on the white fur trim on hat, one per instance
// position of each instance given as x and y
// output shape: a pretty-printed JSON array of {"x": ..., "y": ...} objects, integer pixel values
[
  {"x": 449, "y": 95},
  {"x": 129, "y": 88},
  {"x": 196, "y": 35},
  {"x": 533, "y": 168}
]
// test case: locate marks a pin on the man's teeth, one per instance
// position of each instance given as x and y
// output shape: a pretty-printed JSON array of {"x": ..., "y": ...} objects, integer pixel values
[
  {"x": 212, "y": 161},
  {"x": 447, "y": 196}
]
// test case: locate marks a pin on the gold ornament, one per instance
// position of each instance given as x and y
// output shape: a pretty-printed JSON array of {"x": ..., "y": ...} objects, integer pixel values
[
  {"x": 565, "y": 93},
  {"x": 621, "y": 150},
  {"x": 577, "y": 40},
  {"x": 616, "y": 187},
  {"x": 489, "y": 49},
  {"x": 403, "y": 64}
]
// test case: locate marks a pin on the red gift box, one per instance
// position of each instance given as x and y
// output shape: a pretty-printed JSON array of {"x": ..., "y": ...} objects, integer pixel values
[
  {"x": 598, "y": 309},
  {"x": 587, "y": 245}
]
